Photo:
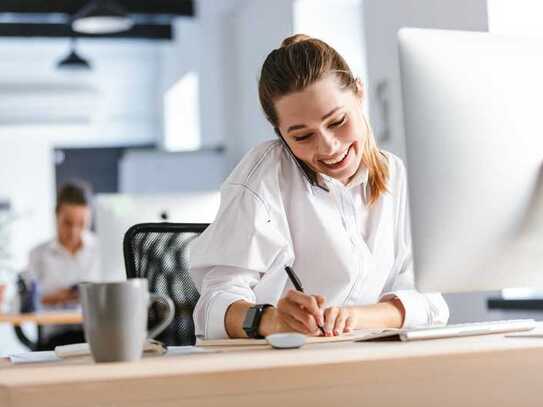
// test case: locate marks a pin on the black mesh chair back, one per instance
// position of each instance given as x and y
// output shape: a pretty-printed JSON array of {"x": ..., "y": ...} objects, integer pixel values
[{"x": 159, "y": 252}]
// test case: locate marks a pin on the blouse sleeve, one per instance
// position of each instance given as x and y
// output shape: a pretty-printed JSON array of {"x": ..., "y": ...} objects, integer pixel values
[
  {"x": 420, "y": 309},
  {"x": 229, "y": 257}
]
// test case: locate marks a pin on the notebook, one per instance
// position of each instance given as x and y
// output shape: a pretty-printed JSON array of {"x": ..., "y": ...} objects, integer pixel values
[
  {"x": 357, "y": 335},
  {"x": 405, "y": 335}
]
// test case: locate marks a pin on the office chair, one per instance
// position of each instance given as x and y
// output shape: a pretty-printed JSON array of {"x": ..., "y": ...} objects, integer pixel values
[
  {"x": 159, "y": 252},
  {"x": 26, "y": 305}
]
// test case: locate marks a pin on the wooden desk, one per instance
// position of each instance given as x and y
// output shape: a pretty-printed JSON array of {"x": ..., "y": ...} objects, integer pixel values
[
  {"x": 44, "y": 318},
  {"x": 475, "y": 371},
  {"x": 40, "y": 318}
]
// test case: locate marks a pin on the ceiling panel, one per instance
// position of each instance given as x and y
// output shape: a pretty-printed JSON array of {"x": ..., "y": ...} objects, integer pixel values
[
  {"x": 50, "y": 18},
  {"x": 138, "y": 31},
  {"x": 151, "y": 7}
]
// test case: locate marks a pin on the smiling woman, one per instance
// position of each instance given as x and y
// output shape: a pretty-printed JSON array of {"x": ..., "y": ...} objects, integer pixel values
[
  {"x": 329, "y": 89},
  {"x": 324, "y": 200},
  {"x": 329, "y": 143}
]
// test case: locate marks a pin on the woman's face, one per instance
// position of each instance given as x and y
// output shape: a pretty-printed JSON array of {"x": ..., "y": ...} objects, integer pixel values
[
  {"x": 323, "y": 126},
  {"x": 72, "y": 220}
]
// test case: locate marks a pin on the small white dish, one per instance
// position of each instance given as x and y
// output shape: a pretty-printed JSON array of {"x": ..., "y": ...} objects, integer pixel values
[{"x": 288, "y": 340}]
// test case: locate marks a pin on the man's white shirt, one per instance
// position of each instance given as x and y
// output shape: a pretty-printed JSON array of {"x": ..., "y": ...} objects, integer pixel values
[{"x": 270, "y": 217}]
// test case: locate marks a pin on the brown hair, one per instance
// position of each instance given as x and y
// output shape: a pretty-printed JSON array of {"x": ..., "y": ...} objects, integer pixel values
[
  {"x": 73, "y": 193},
  {"x": 299, "y": 62}
]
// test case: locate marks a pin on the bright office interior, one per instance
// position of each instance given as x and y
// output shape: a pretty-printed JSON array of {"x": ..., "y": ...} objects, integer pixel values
[{"x": 160, "y": 120}]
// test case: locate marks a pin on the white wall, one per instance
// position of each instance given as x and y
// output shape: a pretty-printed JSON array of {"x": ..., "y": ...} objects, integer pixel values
[
  {"x": 180, "y": 60},
  {"x": 382, "y": 19},
  {"x": 120, "y": 91},
  {"x": 341, "y": 26},
  {"x": 254, "y": 28},
  {"x": 30, "y": 193},
  {"x": 516, "y": 18}
]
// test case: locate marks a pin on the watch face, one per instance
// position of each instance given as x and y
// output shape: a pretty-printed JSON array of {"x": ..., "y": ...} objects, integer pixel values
[{"x": 250, "y": 318}]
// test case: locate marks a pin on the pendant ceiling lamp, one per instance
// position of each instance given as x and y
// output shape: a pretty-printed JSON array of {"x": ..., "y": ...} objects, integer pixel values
[
  {"x": 101, "y": 17},
  {"x": 72, "y": 61}
]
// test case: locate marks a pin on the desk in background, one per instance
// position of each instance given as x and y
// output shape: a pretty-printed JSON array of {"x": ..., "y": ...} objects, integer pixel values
[
  {"x": 519, "y": 304},
  {"x": 40, "y": 319},
  {"x": 481, "y": 371}
]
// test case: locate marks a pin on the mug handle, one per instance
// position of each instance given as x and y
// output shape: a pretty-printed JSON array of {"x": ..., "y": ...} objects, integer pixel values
[{"x": 169, "y": 317}]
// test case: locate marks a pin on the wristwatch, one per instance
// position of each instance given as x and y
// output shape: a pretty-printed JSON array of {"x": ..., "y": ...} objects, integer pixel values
[{"x": 252, "y": 320}]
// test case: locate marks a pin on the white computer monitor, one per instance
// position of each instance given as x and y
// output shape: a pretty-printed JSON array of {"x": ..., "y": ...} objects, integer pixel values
[
  {"x": 473, "y": 116},
  {"x": 115, "y": 213}
]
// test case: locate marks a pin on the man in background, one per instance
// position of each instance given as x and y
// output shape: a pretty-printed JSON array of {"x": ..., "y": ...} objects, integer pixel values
[{"x": 58, "y": 265}]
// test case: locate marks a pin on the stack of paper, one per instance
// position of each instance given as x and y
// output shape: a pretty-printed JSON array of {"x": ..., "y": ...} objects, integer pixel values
[
  {"x": 34, "y": 357},
  {"x": 83, "y": 349}
]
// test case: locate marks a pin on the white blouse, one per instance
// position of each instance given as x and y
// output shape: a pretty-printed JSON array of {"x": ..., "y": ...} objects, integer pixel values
[
  {"x": 54, "y": 268},
  {"x": 270, "y": 216}
]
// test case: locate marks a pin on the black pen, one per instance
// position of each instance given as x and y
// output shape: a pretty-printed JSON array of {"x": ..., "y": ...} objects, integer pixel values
[{"x": 298, "y": 285}]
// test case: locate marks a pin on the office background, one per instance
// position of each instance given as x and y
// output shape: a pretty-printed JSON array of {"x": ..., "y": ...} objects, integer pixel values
[{"x": 175, "y": 115}]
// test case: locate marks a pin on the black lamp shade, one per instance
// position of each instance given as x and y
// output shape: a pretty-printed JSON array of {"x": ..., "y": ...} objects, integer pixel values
[{"x": 73, "y": 62}]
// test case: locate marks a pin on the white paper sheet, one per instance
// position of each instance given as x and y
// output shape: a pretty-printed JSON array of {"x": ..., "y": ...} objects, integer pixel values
[
  {"x": 34, "y": 357},
  {"x": 186, "y": 350}
]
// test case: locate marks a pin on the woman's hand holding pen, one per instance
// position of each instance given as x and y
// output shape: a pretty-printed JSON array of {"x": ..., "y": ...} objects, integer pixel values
[
  {"x": 304, "y": 313},
  {"x": 297, "y": 312}
]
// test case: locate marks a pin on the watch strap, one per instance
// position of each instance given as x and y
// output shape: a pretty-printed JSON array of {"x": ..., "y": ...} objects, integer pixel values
[{"x": 251, "y": 328}]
